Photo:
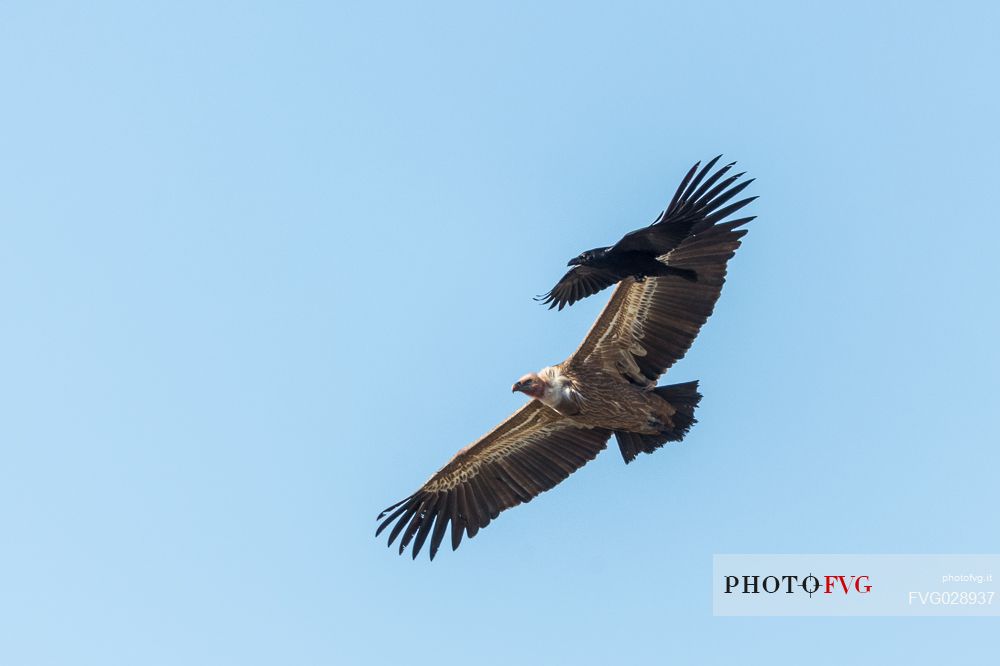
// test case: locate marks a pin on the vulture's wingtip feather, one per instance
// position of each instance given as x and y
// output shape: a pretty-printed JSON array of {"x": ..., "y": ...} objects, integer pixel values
[{"x": 470, "y": 491}]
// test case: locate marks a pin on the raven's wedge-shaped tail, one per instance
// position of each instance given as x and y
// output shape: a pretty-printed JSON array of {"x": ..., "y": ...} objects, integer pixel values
[{"x": 684, "y": 398}]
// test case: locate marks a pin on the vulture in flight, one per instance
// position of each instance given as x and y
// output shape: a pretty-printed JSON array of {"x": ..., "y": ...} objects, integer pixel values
[
  {"x": 608, "y": 386},
  {"x": 696, "y": 206}
]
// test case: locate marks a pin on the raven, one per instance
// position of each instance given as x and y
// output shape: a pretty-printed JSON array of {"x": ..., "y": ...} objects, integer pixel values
[{"x": 695, "y": 208}]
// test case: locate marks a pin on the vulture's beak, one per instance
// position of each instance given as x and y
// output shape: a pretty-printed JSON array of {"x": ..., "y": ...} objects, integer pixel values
[{"x": 516, "y": 387}]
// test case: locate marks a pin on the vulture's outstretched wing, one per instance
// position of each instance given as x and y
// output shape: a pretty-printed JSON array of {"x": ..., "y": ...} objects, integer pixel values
[
  {"x": 648, "y": 326},
  {"x": 526, "y": 455},
  {"x": 696, "y": 205}
]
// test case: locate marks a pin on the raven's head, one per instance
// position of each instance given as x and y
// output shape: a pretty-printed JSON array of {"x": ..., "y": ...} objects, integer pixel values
[
  {"x": 531, "y": 385},
  {"x": 588, "y": 257}
]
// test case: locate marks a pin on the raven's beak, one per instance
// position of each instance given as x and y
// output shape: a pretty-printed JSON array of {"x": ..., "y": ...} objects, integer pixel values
[{"x": 575, "y": 261}]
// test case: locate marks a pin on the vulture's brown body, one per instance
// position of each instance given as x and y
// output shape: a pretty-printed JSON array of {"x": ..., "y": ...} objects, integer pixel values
[{"x": 607, "y": 386}]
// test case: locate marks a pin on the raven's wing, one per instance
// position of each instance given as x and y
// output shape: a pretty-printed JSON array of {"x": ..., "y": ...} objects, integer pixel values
[
  {"x": 648, "y": 326},
  {"x": 526, "y": 455},
  {"x": 696, "y": 205},
  {"x": 578, "y": 283}
]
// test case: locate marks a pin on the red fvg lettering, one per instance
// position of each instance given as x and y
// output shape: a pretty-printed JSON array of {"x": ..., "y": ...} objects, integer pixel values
[{"x": 858, "y": 583}]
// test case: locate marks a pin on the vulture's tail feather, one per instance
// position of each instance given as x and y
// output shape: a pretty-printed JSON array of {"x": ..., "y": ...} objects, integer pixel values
[{"x": 684, "y": 398}]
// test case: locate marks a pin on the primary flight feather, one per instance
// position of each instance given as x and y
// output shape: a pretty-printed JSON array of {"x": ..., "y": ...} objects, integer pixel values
[{"x": 606, "y": 387}]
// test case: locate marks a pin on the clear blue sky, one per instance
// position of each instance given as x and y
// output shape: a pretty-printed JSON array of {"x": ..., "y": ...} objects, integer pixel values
[{"x": 265, "y": 267}]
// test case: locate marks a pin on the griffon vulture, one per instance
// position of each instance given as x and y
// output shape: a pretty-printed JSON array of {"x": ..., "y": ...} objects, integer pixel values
[{"x": 607, "y": 386}]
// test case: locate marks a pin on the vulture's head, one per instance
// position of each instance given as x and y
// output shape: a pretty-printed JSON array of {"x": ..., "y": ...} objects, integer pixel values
[
  {"x": 588, "y": 257},
  {"x": 530, "y": 385}
]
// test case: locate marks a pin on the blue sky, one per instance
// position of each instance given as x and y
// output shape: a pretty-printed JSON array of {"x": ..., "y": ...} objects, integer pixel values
[{"x": 265, "y": 267}]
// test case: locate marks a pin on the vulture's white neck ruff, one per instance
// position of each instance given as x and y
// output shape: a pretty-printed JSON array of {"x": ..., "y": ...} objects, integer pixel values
[{"x": 560, "y": 393}]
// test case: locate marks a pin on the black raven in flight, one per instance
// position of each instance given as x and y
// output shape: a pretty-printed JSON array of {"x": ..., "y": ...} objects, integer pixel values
[{"x": 695, "y": 208}]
